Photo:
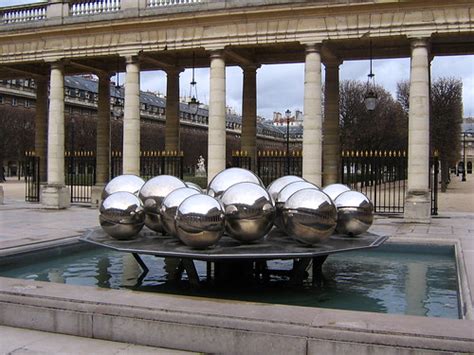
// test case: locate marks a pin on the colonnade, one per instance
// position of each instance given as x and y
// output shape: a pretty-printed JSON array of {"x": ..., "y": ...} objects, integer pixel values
[{"x": 321, "y": 146}]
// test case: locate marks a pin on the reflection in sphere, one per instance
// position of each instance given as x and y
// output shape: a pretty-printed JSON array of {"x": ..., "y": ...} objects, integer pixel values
[
  {"x": 355, "y": 213},
  {"x": 200, "y": 221},
  {"x": 170, "y": 206},
  {"x": 194, "y": 186},
  {"x": 284, "y": 194},
  {"x": 335, "y": 190},
  {"x": 226, "y": 178},
  {"x": 127, "y": 183},
  {"x": 249, "y": 211},
  {"x": 309, "y": 215},
  {"x": 277, "y": 185},
  {"x": 152, "y": 195},
  {"x": 121, "y": 215}
]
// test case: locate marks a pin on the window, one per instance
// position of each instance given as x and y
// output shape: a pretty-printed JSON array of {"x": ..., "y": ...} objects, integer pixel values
[
  {"x": 1, "y": 99},
  {"x": 14, "y": 101},
  {"x": 27, "y": 103}
]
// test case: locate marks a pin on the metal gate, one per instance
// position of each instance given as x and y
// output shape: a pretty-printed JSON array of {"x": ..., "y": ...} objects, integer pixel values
[
  {"x": 381, "y": 176},
  {"x": 31, "y": 169},
  {"x": 80, "y": 175}
]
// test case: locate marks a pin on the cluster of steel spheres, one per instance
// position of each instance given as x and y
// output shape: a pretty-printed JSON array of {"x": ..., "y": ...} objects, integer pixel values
[{"x": 236, "y": 202}]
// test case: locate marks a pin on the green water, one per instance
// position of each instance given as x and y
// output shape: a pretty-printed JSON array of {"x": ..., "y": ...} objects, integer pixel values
[{"x": 416, "y": 280}]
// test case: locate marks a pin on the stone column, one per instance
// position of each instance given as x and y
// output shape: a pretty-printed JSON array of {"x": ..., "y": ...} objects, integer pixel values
[
  {"x": 172, "y": 110},
  {"x": 131, "y": 120},
  {"x": 418, "y": 200},
  {"x": 312, "y": 134},
  {"x": 55, "y": 194},
  {"x": 249, "y": 114},
  {"x": 41, "y": 125},
  {"x": 216, "y": 127},
  {"x": 331, "y": 139},
  {"x": 103, "y": 139}
]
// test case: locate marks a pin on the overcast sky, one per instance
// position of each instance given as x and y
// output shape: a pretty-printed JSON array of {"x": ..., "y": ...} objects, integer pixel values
[{"x": 280, "y": 87}]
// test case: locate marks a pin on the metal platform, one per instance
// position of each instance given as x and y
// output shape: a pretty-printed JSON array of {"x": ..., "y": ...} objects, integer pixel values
[
  {"x": 274, "y": 246},
  {"x": 223, "y": 257}
]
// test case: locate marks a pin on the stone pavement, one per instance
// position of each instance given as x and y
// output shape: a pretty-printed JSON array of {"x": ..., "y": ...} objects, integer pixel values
[{"x": 24, "y": 224}]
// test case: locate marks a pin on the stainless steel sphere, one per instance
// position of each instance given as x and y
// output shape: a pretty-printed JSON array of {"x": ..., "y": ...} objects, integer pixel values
[
  {"x": 335, "y": 190},
  {"x": 284, "y": 194},
  {"x": 122, "y": 215},
  {"x": 249, "y": 211},
  {"x": 127, "y": 183},
  {"x": 277, "y": 185},
  {"x": 309, "y": 216},
  {"x": 152, "y": 195},
  {"x": 200, "y": 221},
  {"x": 355, "y": 213},
  {"x": 226, "y": 178},
  {"x": 170, "y": 205},
  {"x": 194, "y": 186}
]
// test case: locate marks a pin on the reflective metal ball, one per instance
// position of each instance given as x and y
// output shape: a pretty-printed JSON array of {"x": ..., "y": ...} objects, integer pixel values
[
  {"x": 200, "y": 221},
  {"x": 284, "y": 194},
  {"x": 170, "y": 205},
  {"x": 128, "y": 183},
  {"x": 335, "y": 190},
  {"x": 194, "y": 186},
  {"x": 152, "y": 195},
  {"x": 121, "y": 215},
  {"x": 309, "y": 216},
  {"x": 277, "y": 185},
  {"x": 226, "y": 178},
  {"x": 355, "y": 213},
  {"x": 249, "y": 211}
]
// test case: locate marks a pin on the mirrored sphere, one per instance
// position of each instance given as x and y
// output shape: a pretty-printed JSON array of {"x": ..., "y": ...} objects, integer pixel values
[
  {"x": 277, "y": 185},
  {"x": 284, "y": 194},
  {"x": 194, "y": 186},
  {"x": 200, "y": 221},
  {"x": 355, "y": 213},
  {"x": 152, "y": 194},
  {"x": 226, "y": 178},
  {"x": 249, "y": 211},
  {"x": 126, "y": 183},
  {"x": 335, "y": 190},
  {"x": 309, "y": 216},
  {"x": 170, "y": 205},
  {"x": 121, "y": 215}
]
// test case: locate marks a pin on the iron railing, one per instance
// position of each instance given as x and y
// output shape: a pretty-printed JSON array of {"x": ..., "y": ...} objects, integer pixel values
[
  {"x": 271, "y": 164},
  {"x": 31, "y": 169},
  {"x": 152, "y": 163},
  {"x": 381, "y": 176}
]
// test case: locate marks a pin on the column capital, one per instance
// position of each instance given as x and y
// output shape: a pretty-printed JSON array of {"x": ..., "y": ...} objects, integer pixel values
[
  {"x": 58, "y": 64},
  {"x": 131, "y": 59},
  {"x": 104, "y": 75},
  {"x": 216, "y": 53},
  {"x": 250, "y": 68},
  {"x": 313, "y": 48},
  {"x": 416, "y": 42},
  {"x": 174, "y": 70},
  {"x": 332, "y": 63}
]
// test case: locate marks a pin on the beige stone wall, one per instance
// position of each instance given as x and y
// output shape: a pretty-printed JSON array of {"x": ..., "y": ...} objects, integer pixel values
[{"x": 304, "y": 23}]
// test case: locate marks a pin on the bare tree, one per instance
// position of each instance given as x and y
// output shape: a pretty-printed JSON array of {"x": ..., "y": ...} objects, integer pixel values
[{"x": 385, "y": 128}]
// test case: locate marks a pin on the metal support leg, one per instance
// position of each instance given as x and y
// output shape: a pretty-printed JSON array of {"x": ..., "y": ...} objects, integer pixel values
[
  {"x": 318, "y": 276},
  {"x": 144, "y": 269},
  {"x": 299, "y": 269},
  {"x": 190, "y": 269}
]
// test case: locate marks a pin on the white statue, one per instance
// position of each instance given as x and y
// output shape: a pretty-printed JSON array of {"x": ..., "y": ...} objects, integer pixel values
[{"x": 201, "y": 167}]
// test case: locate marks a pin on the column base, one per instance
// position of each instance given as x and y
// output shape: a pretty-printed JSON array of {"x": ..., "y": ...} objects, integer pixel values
[
  {"x": 418, "y": 206},
  {"x": 96, "y": 195},
  {"x": 55, "y": 197},
  {"x": 1, "y": 195}
]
